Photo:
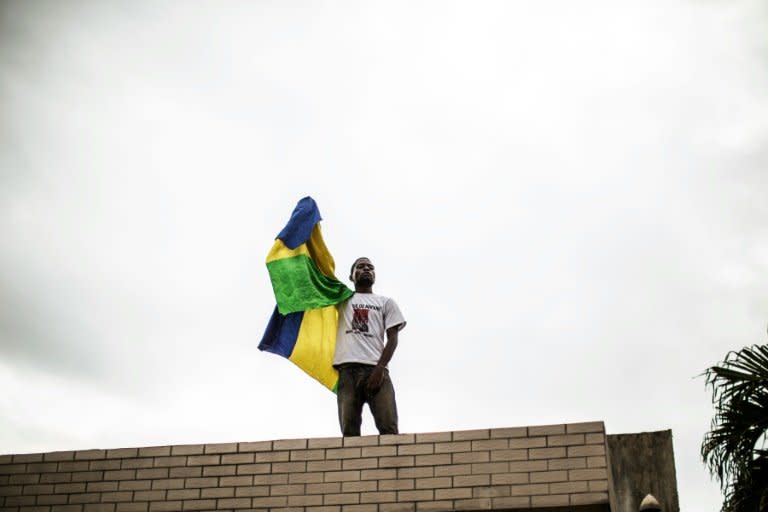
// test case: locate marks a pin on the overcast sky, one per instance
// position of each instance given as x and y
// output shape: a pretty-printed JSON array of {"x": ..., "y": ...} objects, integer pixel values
[{"x": 567, "y": 200}]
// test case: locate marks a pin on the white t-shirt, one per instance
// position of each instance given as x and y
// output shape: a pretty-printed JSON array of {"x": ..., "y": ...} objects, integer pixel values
[{"x": 363, "y": 322}]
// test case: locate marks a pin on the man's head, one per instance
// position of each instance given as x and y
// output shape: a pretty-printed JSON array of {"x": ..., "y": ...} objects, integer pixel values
[{"x": 362, "y": 273}]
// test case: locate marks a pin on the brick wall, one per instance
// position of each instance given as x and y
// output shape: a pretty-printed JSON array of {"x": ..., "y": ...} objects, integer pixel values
[{"x": 490, "y": 469}]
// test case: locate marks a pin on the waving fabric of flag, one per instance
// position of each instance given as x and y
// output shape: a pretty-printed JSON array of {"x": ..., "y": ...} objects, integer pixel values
[{"x": 303, "y": 325}]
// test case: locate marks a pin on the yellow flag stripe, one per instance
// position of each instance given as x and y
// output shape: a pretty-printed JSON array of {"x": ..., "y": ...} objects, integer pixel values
[
  {"x": 315, "y": 345},
  {"x": 280, "y": 251},
  {"x": 320, "y": 253}
]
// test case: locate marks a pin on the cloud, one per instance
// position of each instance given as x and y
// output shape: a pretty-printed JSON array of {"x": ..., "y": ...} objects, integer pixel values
[{"x": 557, "y": 196}]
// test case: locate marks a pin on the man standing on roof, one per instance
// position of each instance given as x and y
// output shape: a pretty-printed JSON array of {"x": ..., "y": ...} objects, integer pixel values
[{"x": 362, "y": 353}]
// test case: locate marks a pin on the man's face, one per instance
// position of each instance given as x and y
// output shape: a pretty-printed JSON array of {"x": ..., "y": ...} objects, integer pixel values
[{"x": 363, "y": 272}]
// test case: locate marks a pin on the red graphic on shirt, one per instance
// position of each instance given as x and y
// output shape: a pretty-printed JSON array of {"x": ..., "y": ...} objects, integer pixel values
[{"x": 360, "y": 320}]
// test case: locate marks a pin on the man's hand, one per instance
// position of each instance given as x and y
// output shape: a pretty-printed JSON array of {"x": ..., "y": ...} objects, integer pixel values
[{"x": 375, "y": 380}]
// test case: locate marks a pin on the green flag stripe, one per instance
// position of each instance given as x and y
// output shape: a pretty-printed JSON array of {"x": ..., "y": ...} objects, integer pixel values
[{"x": 299, "y": 285}]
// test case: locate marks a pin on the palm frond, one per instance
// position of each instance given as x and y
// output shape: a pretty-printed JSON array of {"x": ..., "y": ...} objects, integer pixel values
[{"x": 731, "y": 448}]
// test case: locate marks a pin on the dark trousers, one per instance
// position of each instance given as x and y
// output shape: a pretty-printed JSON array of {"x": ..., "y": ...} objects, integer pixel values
[{"x": 351, "y": 394}]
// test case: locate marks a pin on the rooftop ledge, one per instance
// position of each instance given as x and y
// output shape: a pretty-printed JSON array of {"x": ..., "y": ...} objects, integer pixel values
[{"x": 557, "y": 467}]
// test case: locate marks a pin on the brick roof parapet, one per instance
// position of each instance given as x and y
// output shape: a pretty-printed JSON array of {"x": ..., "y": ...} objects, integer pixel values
[{"x": 487, "y": 469}]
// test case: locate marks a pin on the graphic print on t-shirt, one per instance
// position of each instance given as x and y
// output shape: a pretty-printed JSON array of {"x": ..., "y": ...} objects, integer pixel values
[
  {"x": 362, "y": 323},
  {"x": 359, "y": 319}
]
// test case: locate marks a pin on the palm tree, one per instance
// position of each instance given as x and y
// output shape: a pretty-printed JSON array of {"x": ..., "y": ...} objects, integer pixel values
[{"x": 735, "y": 448}]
